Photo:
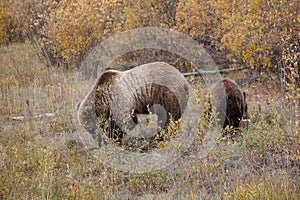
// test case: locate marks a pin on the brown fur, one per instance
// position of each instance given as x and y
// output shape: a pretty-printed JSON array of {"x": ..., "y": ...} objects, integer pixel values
[
  {"x": 230, "y": 101},
  {"x": 119, "y": 96}
]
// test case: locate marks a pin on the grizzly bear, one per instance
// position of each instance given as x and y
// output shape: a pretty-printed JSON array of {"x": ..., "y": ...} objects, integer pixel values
[
  {"x": 118, "y": 97},
  {"x": 229, "y": 102}
]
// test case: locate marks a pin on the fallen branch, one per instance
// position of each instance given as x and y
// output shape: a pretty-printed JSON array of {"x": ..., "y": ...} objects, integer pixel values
[{"x": 221, "y": 71}]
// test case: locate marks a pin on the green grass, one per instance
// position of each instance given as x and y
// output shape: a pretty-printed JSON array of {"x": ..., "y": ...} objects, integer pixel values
[{"x": 44, "y": 159}]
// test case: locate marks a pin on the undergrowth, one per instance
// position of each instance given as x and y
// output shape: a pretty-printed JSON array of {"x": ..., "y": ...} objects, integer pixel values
[{"x": 43, "y": 158}]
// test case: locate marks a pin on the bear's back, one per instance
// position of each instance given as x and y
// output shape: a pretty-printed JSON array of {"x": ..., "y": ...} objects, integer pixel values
[{"x": 157, "y": 73}]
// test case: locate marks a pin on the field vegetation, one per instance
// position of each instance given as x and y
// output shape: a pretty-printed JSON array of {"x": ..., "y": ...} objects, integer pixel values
[{"x": 42, "y": 46}]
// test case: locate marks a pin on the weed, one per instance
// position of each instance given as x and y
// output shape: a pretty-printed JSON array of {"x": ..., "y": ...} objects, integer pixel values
[{"x": 43, "y": 158}]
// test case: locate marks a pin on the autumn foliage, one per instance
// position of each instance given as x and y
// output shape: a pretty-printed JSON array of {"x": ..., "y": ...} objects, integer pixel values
[{"x": 257, "y": 33}]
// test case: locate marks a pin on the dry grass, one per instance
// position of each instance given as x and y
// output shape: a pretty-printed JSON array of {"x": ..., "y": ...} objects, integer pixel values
[{"x": 44, "y": 159}]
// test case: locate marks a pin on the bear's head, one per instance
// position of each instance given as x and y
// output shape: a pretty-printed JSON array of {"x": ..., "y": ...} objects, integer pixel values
[{"x": 103, "y": 92}]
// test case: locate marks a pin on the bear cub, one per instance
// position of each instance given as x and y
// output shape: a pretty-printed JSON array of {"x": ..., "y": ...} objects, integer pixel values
[{"x": 229, "y": 101}]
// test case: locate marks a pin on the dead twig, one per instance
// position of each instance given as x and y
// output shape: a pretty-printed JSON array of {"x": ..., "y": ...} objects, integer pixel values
[{"x": 221, "y": 71}]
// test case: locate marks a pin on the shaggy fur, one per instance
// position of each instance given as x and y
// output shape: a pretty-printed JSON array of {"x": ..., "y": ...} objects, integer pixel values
[
  {"x": 120, "y": 96},
  {"x": 229, "y": 100}
]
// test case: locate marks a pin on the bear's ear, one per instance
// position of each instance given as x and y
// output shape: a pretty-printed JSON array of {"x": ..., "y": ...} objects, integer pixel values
[{"x": 107, "y": 76}]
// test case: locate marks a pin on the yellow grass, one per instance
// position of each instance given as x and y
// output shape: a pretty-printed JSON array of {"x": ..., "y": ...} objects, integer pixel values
[{"x": 43, "y": 158}]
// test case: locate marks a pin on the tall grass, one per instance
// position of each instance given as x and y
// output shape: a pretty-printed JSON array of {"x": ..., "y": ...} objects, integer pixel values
[{"x": 43, "y": 158}]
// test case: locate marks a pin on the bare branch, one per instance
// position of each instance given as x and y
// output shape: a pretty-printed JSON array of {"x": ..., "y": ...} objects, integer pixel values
[{"x": 222, "y": 71}]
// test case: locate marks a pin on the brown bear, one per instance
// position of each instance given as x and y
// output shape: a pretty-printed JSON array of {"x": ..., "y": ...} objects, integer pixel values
[
  {"x": 119, "y": 96},
  {"x": 229, "y": 102}
]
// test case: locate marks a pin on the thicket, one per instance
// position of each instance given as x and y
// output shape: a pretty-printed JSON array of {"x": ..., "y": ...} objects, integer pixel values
[{"x": 261, "y": 34}]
